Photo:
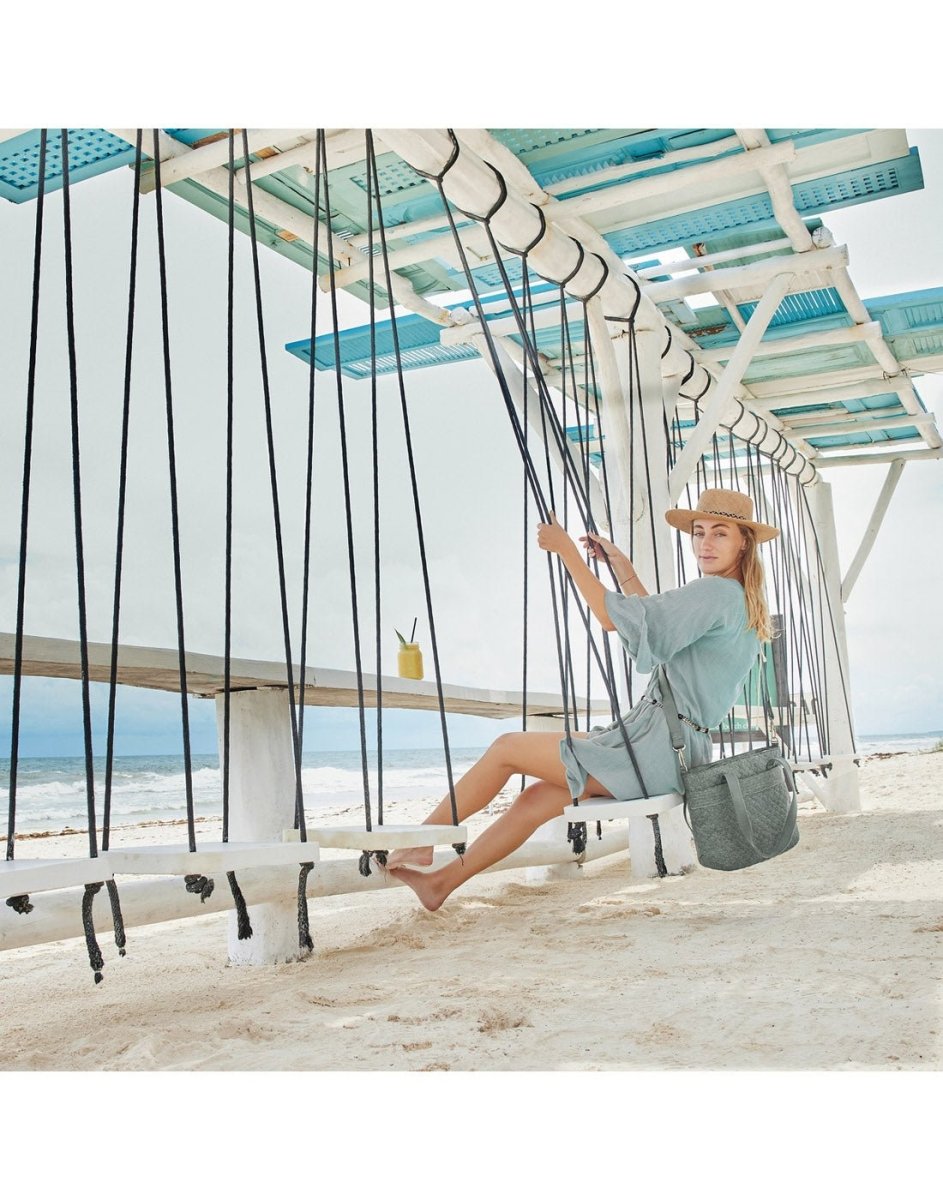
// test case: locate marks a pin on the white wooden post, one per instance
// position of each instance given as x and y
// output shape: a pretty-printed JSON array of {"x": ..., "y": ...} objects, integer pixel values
[
  {"x": 825, "y": 577},
  {"x": 261, "y": 808}
]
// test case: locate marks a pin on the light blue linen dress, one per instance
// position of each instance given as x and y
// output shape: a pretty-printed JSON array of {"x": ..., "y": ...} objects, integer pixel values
[{"x": 699, "y": 632}]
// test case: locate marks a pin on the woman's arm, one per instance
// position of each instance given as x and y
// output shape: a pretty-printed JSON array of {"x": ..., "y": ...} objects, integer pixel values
[{"x": 553, "y": 537}]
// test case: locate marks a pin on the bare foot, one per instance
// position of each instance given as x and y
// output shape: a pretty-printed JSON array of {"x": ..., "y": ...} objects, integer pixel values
[
  {"x": 412, "y": 856},
  {"x": 426, "y": 887}
]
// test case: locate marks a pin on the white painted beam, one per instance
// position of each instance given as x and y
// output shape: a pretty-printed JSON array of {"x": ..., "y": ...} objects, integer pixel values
[
  {"x": 671, "y": 182},
  {"x": 866, "y": 460},
  {"x": 57, "y": 915},
  {"x": 805, "y": 341},
  {"x": 757, "y": 250},
  {"x": 894, "y": 472},
  {"x": 748, "y": 275},
  {"x": 865, "y": 423},
  {"x": 713, "y": 411}
]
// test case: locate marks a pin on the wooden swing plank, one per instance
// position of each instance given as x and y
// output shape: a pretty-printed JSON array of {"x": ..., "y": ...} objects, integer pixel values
[
  {"x": 603, "y": 809},
  {"x": 23, "y": 876},
  {"x": 210, "y": 858},
  {"x": 388, "y": 837}
]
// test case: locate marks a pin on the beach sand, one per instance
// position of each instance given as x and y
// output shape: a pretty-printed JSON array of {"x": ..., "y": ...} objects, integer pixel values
[{"x": 828, "y": 958}]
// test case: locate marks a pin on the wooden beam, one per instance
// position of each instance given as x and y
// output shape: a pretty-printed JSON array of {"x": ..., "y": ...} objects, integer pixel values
[
  {"x": 894, "y": 472},
  {"x": 713, "y": 412}
]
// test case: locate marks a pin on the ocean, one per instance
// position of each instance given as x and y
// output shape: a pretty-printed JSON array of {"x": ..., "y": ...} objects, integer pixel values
[{"x": 51, "y": 791}]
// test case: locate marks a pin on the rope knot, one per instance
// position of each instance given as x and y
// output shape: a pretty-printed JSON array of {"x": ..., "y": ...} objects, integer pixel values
[
  {"x": 576, "y": 835},
  {"x": 20, "y": 904},
  {"x": 200, "y": 886}
]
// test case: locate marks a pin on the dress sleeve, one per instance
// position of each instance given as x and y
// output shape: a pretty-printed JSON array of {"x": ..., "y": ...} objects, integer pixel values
[{"x": 654, "y": 628}]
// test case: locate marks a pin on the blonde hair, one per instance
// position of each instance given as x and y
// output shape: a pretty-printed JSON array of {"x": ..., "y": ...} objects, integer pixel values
[{"x": 754, "y": 593}]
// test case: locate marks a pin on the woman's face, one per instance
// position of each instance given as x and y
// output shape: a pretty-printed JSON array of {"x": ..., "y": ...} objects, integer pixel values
[{"x": 718, "y": 547}]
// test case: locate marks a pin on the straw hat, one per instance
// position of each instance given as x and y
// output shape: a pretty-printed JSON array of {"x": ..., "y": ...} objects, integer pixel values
[{"x": 723, "y": 503}]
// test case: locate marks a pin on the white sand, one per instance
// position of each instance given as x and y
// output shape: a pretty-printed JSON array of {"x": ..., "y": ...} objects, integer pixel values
[{"x": 827, "y": 958}]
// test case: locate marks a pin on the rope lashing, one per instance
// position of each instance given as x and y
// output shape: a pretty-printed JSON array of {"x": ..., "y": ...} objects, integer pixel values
[
  {"x": 304, "y": 931},
  {"x": 20, "y": 904},
  {"x": 576, "y": 836},
  {"x": 601, "y": 284},
  {"x": 579, "y": 264},
  {"x": 95, "y": 959},
  {"x": 116, "y": 918},
  {"x": 664, "y": 352},
  {"x": 502, "y": 197},
  {"x": 244, "y": 926},
  {"x": 534, "y": 240},
  {"x": 200, "y": 886}
]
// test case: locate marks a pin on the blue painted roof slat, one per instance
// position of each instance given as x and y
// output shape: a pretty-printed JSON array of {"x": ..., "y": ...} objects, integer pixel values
[
  {"x": 800, "y": 306},
  {"x": 840, "y": 408},
  {"x": 863, "y": 437},
  {"x": 91, "y": 152},
  {"x": 755, "y": 212}
]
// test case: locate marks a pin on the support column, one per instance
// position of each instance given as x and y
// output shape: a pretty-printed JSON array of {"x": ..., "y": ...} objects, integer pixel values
[
  {"x": 261, "y": 808},
  {"x": 825, "y": 577}
]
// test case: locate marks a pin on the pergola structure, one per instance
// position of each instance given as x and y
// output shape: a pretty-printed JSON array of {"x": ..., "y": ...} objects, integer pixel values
[{"x": 746, "y": 316}]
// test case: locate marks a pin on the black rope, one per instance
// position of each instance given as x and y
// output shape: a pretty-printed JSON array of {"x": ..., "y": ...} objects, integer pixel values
[
  {"x": 24, "y": 517},
  {"x": 122, "y": 500},
  {"x": 304, "y": 930},
  {"x": 534, "y": 240},
  {"x": 77, "y": 500},
  {"x": 560, "y": 436},
  {"x": 273, "y": 478},
  {"x": 375, "y": 462},
  {"x": 95, "y": 960},
  {"x": 659, "y": 852},
  {"x": 309, "y": 474},
  {"x": 174, "y": 506},
  {"x": 20, "y": 904},
  {"x": 420, "y": 535},
  {"x": 230, "y": 407},
  {"x": 579, "y": 263},
  {"x": 199, "y": 885},
  {"x": 601, "y": 284},
  {"x": 116, "y": 917},
  {"x": 244, "y": 925},
  {"x": 576, "y": 836},
  {"x": 363, "y": 865},
  {"x": 345, "y": 465}
]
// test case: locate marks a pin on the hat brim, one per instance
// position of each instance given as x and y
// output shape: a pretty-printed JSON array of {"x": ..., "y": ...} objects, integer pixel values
[{"x": 684, "y": 518}]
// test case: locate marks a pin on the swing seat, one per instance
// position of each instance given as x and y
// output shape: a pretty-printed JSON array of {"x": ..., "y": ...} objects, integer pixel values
[
  {"x": 601, "y": 808},
  {"x": 23, "y": 876},
  {"x": 388, "y": 837},
  {"x": 211, "y": 858}
]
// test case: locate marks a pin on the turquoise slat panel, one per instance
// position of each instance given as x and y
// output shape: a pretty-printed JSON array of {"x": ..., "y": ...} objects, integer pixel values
[{"x": 91, "y": 152}]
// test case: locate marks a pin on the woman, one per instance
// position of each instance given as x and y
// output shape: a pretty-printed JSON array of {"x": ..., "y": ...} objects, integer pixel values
[{"x": 707, "y": 634}]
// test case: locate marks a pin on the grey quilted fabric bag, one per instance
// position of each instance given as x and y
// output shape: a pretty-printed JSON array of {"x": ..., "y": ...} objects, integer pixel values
[{"x": 742, "y": 809}]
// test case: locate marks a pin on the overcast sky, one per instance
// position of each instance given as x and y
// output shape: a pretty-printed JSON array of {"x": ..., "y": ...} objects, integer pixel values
[{"x": 470, "y": 482}]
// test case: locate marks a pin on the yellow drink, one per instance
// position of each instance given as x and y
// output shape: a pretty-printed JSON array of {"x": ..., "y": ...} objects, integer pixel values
[{"x": 409, "y": 661}]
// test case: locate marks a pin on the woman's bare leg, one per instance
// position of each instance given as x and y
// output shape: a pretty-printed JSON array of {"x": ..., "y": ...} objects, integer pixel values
[
  {"x": 534, "y": 754},
  {"x": 537, "y": 803}
]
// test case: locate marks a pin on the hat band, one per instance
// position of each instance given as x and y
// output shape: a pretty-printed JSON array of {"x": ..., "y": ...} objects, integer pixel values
[{"x": 716, "y": 512}]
